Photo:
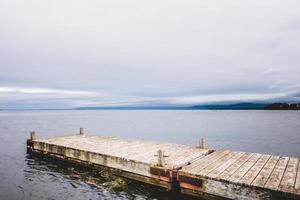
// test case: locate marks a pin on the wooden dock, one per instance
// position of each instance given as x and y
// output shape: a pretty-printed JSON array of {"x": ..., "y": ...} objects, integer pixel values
[{"x": 192, "y": 170}]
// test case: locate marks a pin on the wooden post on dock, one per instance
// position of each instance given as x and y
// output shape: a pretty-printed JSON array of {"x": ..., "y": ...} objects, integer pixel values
[
  {"x": 161, "y": 158},
  {"x": 81, "y": 132},
  {"x": 201, "y": 143},
  {"x": 32, "y": 135}
]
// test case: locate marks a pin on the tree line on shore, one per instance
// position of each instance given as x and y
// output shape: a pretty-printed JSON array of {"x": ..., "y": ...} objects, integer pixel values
[{"x": 283, "y": 106}]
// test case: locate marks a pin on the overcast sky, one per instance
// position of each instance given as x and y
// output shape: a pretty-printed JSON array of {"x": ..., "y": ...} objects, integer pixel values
[{"x": 62, "y": 53}]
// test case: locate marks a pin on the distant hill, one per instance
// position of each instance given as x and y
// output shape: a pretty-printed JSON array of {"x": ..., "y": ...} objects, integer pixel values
[
  {"x": 250, "y": 106},
  {"x": 236, "y": 106}
]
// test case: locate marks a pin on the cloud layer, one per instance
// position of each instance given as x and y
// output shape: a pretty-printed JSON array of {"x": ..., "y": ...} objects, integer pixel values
[{"x": 68, "y": 54}]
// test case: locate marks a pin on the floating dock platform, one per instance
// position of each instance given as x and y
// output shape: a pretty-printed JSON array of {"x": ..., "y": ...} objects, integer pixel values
[{"x": 195, "y": 171}]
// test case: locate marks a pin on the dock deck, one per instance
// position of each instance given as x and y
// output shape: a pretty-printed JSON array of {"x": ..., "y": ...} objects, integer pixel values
[
  {"x": 235, "y": 175},
  {"x": 193, "y": 170}
]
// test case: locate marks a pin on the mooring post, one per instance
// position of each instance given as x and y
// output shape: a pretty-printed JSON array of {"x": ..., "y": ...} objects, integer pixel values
[
  {"x": 161, "y": 158},
  {"x": 201, "y": 143},
  {"x": 81, "y": 132},
  {"x": 32, "y": 135},
  {"x": 30, "y": 141}
]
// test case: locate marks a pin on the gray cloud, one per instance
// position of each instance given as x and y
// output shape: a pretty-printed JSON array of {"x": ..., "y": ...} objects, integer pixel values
[{"x": 136, "y": 51}]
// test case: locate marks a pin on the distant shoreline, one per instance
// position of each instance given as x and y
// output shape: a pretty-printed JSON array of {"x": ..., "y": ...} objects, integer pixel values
[{"x": 237, "y": 106}]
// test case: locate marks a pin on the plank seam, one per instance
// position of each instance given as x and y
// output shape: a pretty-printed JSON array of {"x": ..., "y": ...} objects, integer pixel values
[
  {"x": 218, "y": 158},
  {"x": 217, "y": 166},
  {"x": 248, "y": 169},
  {"x": 206, "y": 158},
  {"x": 243, "y": 153},
  {"x": 283, "y": 173},
  {"x": 260, "y": 170},
  {"x": 296, "y": 176},
  {"x": 240, "y": 166},
  {"x": 271, "y": 172}
]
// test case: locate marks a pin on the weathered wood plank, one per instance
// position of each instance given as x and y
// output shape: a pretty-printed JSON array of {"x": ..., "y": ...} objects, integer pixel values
[
  {"x": 235, "y": 166},
  {"x": 205, "y": 171},
  {"x": 188, "y": 159},
  {"x": 124, "y": 150},
  {"x": 197, "y": 163},
  {"x": 254, "y": 170},
  {"x": 289, "y": 177},
  {"x": 217, "y": 171},
  {"x": 276, "y": 175},
  {"x": 297, "y": 184},
  {"x": 206, "y": 163},
  {"x": 183, "y": 154},
  {"x": 264, "y": 174},
  {"x": 170, "y": 151},
  {"x": 244, "y": 168},
  {"x": 150, "y": 152}
]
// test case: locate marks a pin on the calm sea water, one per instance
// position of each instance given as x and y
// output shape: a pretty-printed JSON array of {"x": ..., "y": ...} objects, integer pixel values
[{"x": 25, "y": 177}]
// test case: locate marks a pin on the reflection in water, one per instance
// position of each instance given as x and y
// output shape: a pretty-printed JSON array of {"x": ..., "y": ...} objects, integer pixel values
[{"x": 90, "y": 183}]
